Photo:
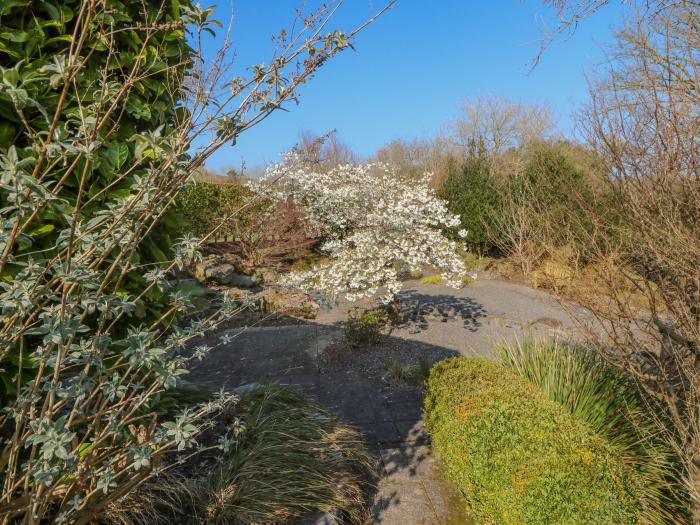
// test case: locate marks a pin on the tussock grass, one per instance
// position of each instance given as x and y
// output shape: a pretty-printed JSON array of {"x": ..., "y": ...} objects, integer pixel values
[
  {"x": 292, "y": 458},
  {"x": 431, "y": 279},
  {"x": 613, "y": 406},
  {"x": 410, "y": 373},
  {"x": 166, "y": 500}
]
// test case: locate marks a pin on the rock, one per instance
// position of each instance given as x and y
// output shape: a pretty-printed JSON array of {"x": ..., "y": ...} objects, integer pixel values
[
  {"x": 293, "y": 303},
  {"x": 548, "y": 321},
  {"x": 244, "y": 389},
  {"x": 218, "y": 269},
  {"x": 239, "y": 295},
  {"x": 266, "y": 276},
  {"x": 242, "y": 280}
]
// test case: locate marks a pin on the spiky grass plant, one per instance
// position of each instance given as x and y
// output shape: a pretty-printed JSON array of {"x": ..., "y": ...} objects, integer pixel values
[
  {"x": 288, "y": 457},
  {"x": 410, "y": 373},
  {"x": 293, "y": 457},
  {"x": 612, "y": 405}
]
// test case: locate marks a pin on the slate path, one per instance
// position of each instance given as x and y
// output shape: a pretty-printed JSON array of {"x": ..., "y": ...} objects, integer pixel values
[{"x": 439, "y": 322}]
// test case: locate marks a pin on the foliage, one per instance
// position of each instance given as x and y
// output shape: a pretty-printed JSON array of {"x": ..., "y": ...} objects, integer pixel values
[
  {"x": 431, "y": 279},
  {"x": 365, "y": 327},
  {"x": 525, "y": 202},
  {"x": 613, "y": 406},
  {"x": 411, "y": 373},
  {"x": 294, "y": 457},
  {"x": 555, "y": 183},
  {"x": 285, "y": 457},
  {"x": 548, "y": 187},
  {"x": 203, "y": 205},
  {"x": 38, "y": 82},
  {"x": 518, "y": 456},
  {"x": 472, "y": 194},
  {"x": 106, "y": 115},
  {"x": 540, "y": 208},
  {"x": 370, "y": 221}
]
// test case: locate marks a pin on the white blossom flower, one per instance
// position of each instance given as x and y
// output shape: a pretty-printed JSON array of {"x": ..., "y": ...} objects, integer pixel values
[{"x": 372, "y": 223}]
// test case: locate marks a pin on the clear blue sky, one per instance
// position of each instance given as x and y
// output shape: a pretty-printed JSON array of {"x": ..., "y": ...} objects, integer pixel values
[{"x": 413, "y": 67}]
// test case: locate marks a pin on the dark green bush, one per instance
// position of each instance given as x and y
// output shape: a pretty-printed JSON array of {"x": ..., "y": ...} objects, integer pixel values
[
  {"x": 518, "y": 456},
  {"x": 35, "y": 39},
  {"x": 555, "y": 188},
  {"x": 472, "y": 193}
]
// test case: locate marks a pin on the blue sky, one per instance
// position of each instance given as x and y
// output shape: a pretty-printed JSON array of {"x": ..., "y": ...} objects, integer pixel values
[{"x": 413, "y": 67}]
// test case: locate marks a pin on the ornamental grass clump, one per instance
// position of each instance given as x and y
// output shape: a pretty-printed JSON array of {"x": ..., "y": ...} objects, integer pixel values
[
  {"x": 613, "y": 406},
  {"x": 519, "y": 457},
  {"x": 293, "y": 458},
  {"x": 287, "y": 458}
]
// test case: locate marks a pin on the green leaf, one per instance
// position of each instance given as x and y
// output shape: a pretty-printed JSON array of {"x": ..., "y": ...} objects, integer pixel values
[
  {"x": 123, "y": 193},
  {"x": 11, "y": 76},
  {"x": 41, "y": 230},
  {"x": 15, "y": 36},
  {"x": 113, "y": 157},
  {"x": 61, "y": 38},
  {"x": 7, "y": 134},
  {"x": 7, "y": 5}
]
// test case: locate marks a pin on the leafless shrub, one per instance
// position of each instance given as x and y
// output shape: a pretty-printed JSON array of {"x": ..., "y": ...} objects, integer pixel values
[
  {"x": 644, "y": 120},
  {"x": 326, "y": 150},
  {"x": 272, "y": 233},
  {"x": 412, "y": 158},
  {"x": 502, "y": 124}
]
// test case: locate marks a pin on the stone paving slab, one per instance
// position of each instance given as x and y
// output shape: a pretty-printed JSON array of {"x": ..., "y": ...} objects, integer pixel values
[{"x": 409, "y": 491}]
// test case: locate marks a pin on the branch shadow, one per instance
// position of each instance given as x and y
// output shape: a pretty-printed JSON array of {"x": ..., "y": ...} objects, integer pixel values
[{"x": 417, "y": 310}]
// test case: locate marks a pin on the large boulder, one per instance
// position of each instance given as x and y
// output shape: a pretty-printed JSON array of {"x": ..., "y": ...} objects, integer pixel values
[
  {"x": 293, "y": 303},
  {"x": 218, "y": 269}
]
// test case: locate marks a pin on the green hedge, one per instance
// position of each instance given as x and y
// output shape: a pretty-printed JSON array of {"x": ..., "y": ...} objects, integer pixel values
[
  {"x": 519, "y": 457},
  {"x": 202, "y": 206}
]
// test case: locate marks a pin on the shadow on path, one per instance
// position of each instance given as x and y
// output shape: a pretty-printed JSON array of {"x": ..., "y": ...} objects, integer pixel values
[
  {"x": 436, "y": 324},
  {"x": 389, "y": 418},
  {"x": 417, "y": 310}
]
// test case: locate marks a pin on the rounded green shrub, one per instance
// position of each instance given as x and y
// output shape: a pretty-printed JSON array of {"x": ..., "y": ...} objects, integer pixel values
[
  {"x": 365, "y": 327},
  {"x": 517, "y": 456},
  {"x": 611, "y": 404}
]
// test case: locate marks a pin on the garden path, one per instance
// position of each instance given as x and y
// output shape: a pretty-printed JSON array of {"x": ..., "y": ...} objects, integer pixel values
[{"x": 313, "y": 358}]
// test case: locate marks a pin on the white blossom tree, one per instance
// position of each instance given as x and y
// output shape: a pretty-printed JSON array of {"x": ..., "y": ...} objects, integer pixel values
[{"x": 372, "y": 223}]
